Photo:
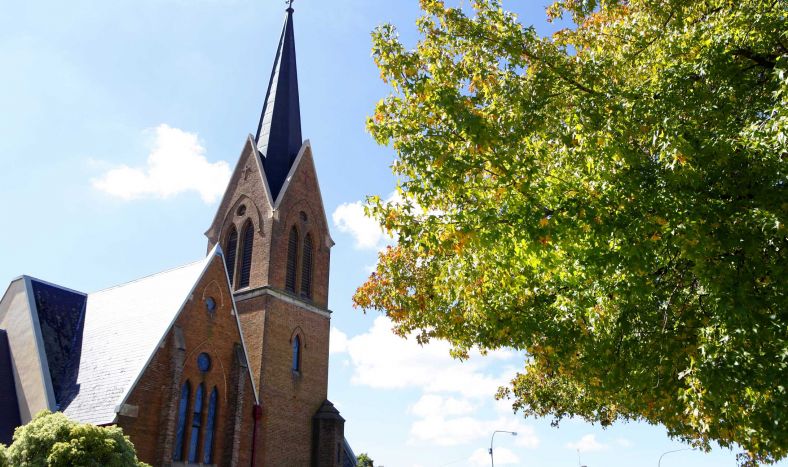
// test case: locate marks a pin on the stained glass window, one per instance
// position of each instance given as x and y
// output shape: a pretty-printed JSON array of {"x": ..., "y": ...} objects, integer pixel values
[
  {"x": 297, "y": 353},
  {"x": 183, "y": 406},
  {"x": 210, "y": 426},
  {"x": 194, "y": 440}
]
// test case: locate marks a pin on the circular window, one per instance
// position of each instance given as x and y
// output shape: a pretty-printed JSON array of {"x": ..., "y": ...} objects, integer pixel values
[
  {"x": 204, "y": 362},
  {"x": 303, "y": 216},
  {"x": 241, "y": 210},
  {"x": 210, "y": 304}
]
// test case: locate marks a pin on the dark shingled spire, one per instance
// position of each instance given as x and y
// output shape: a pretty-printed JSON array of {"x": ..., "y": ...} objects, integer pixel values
[{"x": 279, "y": 131}]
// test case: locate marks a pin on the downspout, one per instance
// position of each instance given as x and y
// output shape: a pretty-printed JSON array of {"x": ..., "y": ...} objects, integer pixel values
[{"x": 257, "y": 413}]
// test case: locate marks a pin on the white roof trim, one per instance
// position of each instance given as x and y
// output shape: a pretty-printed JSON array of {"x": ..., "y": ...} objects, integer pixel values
[{"x": 218, "y": 251}]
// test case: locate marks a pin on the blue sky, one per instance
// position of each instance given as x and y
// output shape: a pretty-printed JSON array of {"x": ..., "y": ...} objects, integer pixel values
[{"x": 101, "y": 99}]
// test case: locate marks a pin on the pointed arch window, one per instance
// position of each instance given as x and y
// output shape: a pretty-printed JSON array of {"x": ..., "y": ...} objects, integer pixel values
[
  {"x": 297, "y": 353},
  {"x": 246, "y": 256},
  {"x": 292, "y": 257},
  {"x": 183, "y": 406},
  {"x": 194, "y": 439},
  {"x": 306, "y": 268},
  {"x": 210, "y": 426},
  {"x": 229, "y": 253}
]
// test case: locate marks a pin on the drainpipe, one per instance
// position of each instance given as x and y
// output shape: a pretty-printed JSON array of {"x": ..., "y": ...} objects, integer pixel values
[{"x": 257, "y": 413}]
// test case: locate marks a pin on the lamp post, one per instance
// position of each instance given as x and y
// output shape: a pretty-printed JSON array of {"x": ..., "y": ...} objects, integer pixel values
[
  {"x": 492, "y": 460},
  {"x": 659, "y": 462}
]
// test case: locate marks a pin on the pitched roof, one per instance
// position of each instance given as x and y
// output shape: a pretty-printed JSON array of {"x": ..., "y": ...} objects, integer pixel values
[
  {"x": 124, "y": 326},
  {"x": 278, "y": 135}
]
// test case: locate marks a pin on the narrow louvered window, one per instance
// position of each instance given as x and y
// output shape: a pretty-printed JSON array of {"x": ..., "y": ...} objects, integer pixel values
[
  {"x": 210, "y": 426},
  {"x": 183, "y": 406},
  {"x": 196, "y": 424},
  {"x": 306, "y": 268},
  {"x": 246, "y": 256},
  {"x": 229, "y": 253},
  {"x": 292, "y": 257}
]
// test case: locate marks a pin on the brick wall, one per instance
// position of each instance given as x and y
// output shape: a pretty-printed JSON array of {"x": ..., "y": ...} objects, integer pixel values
[{"x": 156, "y": 395}]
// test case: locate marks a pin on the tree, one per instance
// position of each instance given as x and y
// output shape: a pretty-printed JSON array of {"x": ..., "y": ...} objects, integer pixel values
[
  {"x": 610, "y": 200},
  {"x": 363, "y": 460},
  {"x": 3, "y": 456},
  {"x": 53, "y": 440}
]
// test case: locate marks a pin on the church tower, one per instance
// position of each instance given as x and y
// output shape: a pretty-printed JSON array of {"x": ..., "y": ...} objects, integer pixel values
[{"x": 272, "y": 227}]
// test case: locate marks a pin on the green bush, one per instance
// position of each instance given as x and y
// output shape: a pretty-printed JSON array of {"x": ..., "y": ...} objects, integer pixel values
[
  {"x": 3, "y": 456},
  {"x": 52, "y": 440}
]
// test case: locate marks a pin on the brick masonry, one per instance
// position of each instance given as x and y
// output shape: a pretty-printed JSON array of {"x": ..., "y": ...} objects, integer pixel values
[
  {"x": 157, "y": 393},
  {"x": 290, "y": 399}
]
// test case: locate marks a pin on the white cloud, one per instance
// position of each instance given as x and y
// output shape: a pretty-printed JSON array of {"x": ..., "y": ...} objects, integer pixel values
[
  {"x": 432, "y": 405},
  {"x": 587, "y": 443},
  {"x": 503, "y": 456},
  {"x": 350, "y": 218},
  {"x": 176, "y": 164},
  {"x": 442, "y": 431},
  {"x": 383, "y": 360},
  {"x": 454, "y": 392},
  {"x": 337, "y": 342}
]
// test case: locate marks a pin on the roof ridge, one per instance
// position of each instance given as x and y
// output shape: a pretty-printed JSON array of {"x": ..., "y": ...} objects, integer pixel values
[{"x": 149, "y": 276}]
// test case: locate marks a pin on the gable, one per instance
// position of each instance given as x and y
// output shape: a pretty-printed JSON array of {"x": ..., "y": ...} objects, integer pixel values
[
  {"x": 302, "y": 188},
  {"x": 124, "y": 326},
  {"x": 248, "y": 180}
]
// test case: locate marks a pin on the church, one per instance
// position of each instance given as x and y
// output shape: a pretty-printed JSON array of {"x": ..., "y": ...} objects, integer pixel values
[{"x": 220, "y": 362}]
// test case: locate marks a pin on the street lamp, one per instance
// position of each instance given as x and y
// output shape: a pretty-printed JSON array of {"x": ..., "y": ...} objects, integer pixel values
[
  {"x": 659, "y": 462},
  {"x": 513, "y": 433}
]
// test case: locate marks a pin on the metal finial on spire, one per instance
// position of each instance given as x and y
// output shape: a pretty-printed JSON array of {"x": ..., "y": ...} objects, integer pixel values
[{"x": 289, "y": 5}]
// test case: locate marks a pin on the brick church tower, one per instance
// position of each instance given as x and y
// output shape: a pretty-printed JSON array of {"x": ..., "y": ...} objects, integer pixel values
[{"x": 271, "y": 225}]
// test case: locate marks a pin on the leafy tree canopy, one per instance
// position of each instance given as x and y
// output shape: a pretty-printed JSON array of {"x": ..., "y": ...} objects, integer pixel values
[
  {"x": 611, "y": 200},
  {"x": 363, "y": 460},
  {"x": 53, "y": 440}
]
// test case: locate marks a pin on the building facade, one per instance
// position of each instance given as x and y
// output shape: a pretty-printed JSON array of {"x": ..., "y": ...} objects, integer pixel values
[{"x": 220, "y": 362}]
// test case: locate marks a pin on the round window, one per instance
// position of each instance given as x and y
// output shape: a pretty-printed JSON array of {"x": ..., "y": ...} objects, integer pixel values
[
  {"x": 241, "y": 210},
  {"x": 204, "y": 362},
  {"x": 303, "y": 216}
]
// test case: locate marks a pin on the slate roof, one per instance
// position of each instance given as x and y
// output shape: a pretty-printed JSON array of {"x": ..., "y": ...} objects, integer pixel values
[
  {"x": 278, "y": 136},
  {"x": 123, "y": 327}
]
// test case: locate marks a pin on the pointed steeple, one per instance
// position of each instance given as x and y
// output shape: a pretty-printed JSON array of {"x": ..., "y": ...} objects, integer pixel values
[{"x": 279, "y": 132}]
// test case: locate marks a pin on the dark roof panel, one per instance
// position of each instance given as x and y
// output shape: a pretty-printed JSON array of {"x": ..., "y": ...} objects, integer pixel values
[
  {"x": 61, "y": 314},
  {"x": 9, "y": 407},
  {"x": 279, "y": 131}
]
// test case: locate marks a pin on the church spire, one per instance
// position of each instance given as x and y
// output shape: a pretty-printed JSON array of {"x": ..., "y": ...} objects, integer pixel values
[{"x": 279, "y": 132}]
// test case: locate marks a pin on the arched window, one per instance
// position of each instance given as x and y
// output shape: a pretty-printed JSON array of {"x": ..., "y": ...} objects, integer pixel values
[
  {"x": 194, "y": 440},
  {"x": 292, "y": 257},
  {"x": 297, "y": 353},
  {"x": 246, "y": 256},
  {"x": 229, "y": 253},
  {"x": 306, "y": 268},
  {"x": 210, "y": 426},
  {"x": 183, "y": 406}
]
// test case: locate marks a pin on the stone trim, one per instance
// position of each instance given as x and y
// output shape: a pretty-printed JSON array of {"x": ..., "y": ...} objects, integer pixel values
[{"x": 284, "y": 296}]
